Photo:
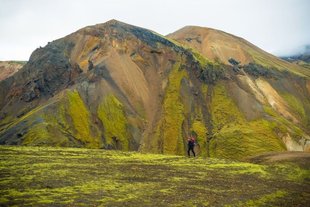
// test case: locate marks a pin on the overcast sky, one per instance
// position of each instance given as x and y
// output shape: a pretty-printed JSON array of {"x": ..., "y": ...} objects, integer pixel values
[{"x": 281, "y": 27}]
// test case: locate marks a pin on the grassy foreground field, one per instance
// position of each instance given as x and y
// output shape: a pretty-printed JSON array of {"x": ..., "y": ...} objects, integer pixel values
[{"x": 40, "y": 176}]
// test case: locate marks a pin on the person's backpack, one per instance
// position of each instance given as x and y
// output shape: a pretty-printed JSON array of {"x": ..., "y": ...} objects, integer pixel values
[{"x": 193, "y": 140}]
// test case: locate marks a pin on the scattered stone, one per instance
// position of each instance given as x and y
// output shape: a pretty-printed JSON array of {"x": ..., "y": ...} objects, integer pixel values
[
  {"x": 90, "y": 65},
  {"x": 233, "y": 61}
]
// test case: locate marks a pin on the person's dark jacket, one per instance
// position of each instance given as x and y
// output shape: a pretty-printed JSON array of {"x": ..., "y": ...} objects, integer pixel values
[{"x": 191, "y": 143}]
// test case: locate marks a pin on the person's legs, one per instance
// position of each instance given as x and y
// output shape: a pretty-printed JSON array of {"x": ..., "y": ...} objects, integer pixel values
[
  {"x": 189, "y": 151},
  {"x": 193, "y": 152}
]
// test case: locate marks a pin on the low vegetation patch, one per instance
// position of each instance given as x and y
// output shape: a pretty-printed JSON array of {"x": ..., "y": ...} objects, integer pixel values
[{"x": 45, "y": 176}]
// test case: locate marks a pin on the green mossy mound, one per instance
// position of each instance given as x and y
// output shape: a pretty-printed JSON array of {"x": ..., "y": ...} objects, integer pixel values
[
  {"x": 114, "y": 120},
  {"x": 169, "y": 135},
  {"x": 233, "y": 136}
]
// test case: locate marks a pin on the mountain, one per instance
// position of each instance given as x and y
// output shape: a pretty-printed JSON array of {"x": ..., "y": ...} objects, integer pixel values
[
  {"x": 118, "y": 86},
  {"x": 220, "y": 46},
  {"x": 302, "y": 59},
  {"x": 8, "y": 68}
]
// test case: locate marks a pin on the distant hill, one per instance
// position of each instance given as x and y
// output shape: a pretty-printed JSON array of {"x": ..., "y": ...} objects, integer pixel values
[
  {"x": 8, "y": 68},
  {"x": 220, "y": 46},
  {"x": 302, "y": 59},
  {"x": 118, "y": 86}
]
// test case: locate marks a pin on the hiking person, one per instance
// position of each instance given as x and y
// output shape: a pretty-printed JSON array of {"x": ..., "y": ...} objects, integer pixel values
[{"x": 190, "y": 145}]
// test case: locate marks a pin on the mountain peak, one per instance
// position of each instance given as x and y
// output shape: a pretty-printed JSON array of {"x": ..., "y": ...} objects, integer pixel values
[{"x": 114, "y": 22}]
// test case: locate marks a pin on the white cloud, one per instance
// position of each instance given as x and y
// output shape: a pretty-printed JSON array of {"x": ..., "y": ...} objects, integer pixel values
[{"x": 277, "y": 26}]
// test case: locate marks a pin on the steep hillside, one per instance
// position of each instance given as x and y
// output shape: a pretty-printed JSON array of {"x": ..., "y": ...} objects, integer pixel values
[
  {"x": 117, "y": 86},
  {"x": 260, "y": 92},
  {"x": 8, "y": 68},
  {"x": 102, "y": 86}
]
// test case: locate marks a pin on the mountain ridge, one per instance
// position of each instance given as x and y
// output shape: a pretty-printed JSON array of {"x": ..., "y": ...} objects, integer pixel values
[
  {"x": 243, "y": 50},
  {"x": 118, "y": 86}
]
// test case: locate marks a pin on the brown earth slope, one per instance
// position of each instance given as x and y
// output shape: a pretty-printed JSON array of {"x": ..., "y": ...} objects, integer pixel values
[
  {"x": 301, "y": 159},
  {"x": 221, "y": 46}
]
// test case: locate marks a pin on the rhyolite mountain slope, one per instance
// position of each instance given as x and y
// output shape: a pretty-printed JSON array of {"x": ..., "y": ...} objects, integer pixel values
[
  {"x": 220, "y": 46},
  {"x": 8, "y": 68},
  {"x": 117, "y": 86},
  {"x": 274, "y": 83}
]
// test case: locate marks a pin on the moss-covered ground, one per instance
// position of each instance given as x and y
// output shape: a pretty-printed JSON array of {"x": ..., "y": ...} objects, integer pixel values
[{"x": 37, "y": 176}]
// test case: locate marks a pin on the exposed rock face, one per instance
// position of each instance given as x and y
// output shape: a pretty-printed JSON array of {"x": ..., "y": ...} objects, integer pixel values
[{"x": 118, "y": 86}]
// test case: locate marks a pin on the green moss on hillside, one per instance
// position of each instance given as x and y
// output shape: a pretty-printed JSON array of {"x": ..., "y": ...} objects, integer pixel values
[
  {"x": 282, "y": 126},
  {"x": 60, "y": 126},
  {"x": 204, "y": 90},
  {"x": 44, "y": 126},
  {"x": 113, "y": 118},
  {"x": 240, "y": 141},
  {"x": 236, "y": 138},
  {"x": 39, "y": 125},
  {"x": 224, "y": 111},
  {"x": 301, "y": 109},
  {"x": 169, "y": 131},
  {"x": 199, "y": 128},
  {"x": 295, "y": 105},
  {"x": 80, "y": 119},
  {"x": 37, "y": 135},
  {"x": 62, "y": 119},
  {"x": 200, "y": 58}
]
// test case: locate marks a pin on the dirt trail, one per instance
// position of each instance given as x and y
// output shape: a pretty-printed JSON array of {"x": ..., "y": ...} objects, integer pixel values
[{"x": 299, "y": 158}]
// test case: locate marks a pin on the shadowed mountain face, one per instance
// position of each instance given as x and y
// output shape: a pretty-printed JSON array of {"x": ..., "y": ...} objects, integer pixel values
[{"x": 118, "y": 86}]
